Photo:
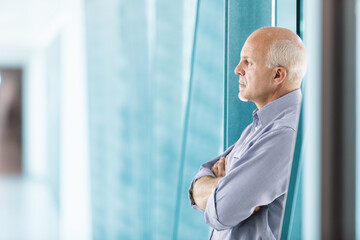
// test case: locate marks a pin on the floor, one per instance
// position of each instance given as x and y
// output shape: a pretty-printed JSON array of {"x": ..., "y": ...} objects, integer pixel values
[{"x": 27, "y": 210}]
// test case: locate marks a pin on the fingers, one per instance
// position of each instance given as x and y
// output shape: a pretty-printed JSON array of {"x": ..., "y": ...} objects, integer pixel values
[
  {"x": 221, "y": 167},
  {"x": 256, "y": 210},
  {"x": 214, "y": 169}
]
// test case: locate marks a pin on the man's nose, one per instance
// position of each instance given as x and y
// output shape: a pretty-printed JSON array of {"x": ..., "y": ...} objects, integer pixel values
[{"x": 239, "y": 70}]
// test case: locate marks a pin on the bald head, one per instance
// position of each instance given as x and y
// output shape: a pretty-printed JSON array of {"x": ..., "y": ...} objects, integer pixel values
[
  {"x": 275, "y": 33},
  {"x": 284, "y": 49},
  {"x": 272, "y": 64}
]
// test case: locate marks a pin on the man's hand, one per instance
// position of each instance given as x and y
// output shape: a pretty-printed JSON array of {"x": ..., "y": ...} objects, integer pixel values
[
  {"x": 220, "y": 166},
  {"x": 204, "y": 186},
  {"x": 256, "y": 210},
  {"x": 202, "y": 190}
]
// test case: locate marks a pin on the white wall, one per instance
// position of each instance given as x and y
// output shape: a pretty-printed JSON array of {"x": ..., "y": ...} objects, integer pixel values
[
  {"x": 75, "y": 217},
  {"x": 312, "y": 121},
  {"x": 74, "y": 205},
  {"x": 35, "y": 117}
]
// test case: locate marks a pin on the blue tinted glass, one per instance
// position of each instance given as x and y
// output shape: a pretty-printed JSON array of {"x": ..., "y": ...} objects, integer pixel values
[{"x": 138, "y": 61}]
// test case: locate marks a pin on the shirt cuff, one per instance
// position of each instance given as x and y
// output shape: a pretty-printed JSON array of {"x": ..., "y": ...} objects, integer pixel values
[
  {"x": 211, "y": 216},
  {"x": 202, "y": 173}
]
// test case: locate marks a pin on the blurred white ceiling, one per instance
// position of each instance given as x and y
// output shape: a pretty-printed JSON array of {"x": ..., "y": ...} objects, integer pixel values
[{"x": 26, "y": 25}]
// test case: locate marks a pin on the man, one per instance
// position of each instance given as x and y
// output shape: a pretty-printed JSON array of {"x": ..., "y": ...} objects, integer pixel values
[{"x": 242, "y": 191}]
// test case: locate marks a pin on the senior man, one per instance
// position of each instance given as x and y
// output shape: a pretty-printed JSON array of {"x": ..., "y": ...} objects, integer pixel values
[{"x": 242, "y": 191}]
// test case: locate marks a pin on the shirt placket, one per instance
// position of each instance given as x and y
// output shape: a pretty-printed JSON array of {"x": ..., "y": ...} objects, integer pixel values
[{"x": 254, "y": 129}]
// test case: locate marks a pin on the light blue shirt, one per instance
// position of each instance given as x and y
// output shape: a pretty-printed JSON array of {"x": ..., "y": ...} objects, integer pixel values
[{"x": 257, "y": 174}]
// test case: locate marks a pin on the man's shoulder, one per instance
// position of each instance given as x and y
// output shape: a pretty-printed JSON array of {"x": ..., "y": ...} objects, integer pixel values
[{"x": 287, "y": 119}]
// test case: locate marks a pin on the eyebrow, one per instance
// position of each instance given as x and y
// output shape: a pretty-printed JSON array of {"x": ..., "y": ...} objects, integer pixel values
[{"x": 244, "y": 57}]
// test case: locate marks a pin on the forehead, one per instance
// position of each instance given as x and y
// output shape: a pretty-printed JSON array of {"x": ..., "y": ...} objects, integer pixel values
[
  {"x": 250, "y": 50},
  {"x": 255, "y": 47}
]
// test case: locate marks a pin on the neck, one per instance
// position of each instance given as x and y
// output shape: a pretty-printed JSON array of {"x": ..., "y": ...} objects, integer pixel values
[{"x": 275, "y": 95}]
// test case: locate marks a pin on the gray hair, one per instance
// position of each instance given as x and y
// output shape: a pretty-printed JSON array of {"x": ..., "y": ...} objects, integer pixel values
[{"x": 290, "y": 55}]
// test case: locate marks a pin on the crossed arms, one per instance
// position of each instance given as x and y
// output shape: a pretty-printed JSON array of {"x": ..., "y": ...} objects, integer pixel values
[
  {"x": 204, "y": 186},
  {"x": 254, "y": 178}
]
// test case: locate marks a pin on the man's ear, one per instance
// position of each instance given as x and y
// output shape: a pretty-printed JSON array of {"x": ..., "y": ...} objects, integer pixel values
[{"x": 280, "y": 75}]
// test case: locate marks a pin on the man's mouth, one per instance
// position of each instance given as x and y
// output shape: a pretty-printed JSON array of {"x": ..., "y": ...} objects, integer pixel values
[{"x": 242, "y": 83}]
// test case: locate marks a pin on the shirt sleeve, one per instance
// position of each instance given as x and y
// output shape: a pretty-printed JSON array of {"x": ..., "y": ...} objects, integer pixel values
[
  {"x": 256, "y": 179},
  {"x": 205, "y": 170}
]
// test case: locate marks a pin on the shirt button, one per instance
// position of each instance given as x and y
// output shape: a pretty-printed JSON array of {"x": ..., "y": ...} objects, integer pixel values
[{"x": 256, "y": 128}]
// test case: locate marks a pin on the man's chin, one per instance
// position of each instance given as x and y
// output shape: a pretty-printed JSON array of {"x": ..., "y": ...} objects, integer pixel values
[{"x": 242, "y": 98}]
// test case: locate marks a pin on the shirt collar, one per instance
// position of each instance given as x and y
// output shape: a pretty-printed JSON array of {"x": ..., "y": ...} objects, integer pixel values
[{"x": 267, "y": 113}]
